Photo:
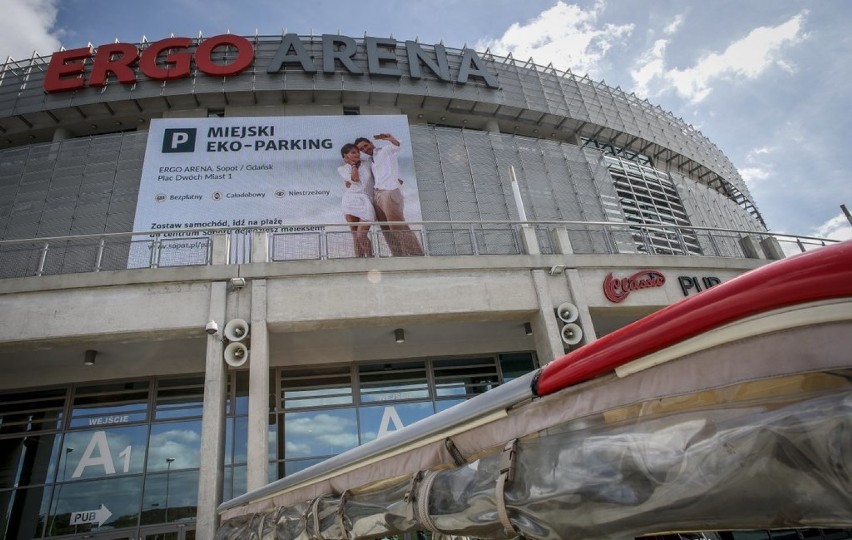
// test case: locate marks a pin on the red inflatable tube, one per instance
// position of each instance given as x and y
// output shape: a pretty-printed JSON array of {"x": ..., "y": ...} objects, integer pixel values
[{"x": 807, "y": 277}]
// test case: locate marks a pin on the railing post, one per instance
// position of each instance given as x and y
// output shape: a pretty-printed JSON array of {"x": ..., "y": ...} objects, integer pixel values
[
  {"x": 801, "y": 245},
  {"x": 424, "y": 241},
  {"x": 649, "y": 247},
  {"x": 750, "y": 247},
  {"x": 529, "y": 240},
  {"x": 323, "y": 244},
  {"x": 716, "y": 251},
  {"x": 681, "y": 241},
  {"x": 375, "y": 237},
  {"x": 220, "y": 248},
  {"x": 42, "y": 259},
  {"x": 155, "y": 252},
  {"x": 473, "y": 243},
  {"x": 100, "y": 257},
  {"x": 561, "y": 241},
  {"x": 259, "y": 246},
  {"x": 608, "y": 240}
]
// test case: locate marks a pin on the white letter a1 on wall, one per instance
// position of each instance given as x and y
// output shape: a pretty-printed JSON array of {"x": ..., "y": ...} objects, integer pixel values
[{"x": 99, "y": 440}]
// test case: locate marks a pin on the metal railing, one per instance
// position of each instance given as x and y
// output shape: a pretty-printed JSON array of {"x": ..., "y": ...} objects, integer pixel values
[{"x": 187, "y": 247}]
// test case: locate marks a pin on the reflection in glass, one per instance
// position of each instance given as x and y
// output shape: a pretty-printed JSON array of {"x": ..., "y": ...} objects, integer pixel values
[
  {"x": 516, "y": 365},
  {"x": 27, "y": 460},
  {"x": 291, "y": 467},
  {"x": 234, "y": 483},
  {"x": 464, "y": 377},
  {"x": 170, "y": 496},
  {"x": 180, "y": 398},
  {"x": 445, "y": 404},
  {"x": 319, "y": 433},
  {"x": 386, "y": 382},
  {"x": 169, "y": 461},
  {"x": 104, "y": 452},
  {"x": 180, "y": 440},
  {"x": 120, "y": 496},
  {"x": 240, "y": 440},
  {"x": 317, "y": 397},
  {"x": 380, "y": 420},
  {"x": 394, "y": 392},
  {"x": 22, "y": 512}
]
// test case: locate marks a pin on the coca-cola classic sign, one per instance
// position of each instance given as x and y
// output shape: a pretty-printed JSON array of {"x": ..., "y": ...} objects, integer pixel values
[{"x": 617, "y": 289}]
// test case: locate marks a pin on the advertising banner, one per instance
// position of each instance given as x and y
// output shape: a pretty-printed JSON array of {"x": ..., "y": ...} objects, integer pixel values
[{"x": 282, "y": 174}]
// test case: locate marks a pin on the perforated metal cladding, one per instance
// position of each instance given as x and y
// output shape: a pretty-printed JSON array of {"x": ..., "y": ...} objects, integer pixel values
[
  {"x": 525, "y": 92},
  {"x": 73, "y": 187},
  {"x": 90, "y": 185}
]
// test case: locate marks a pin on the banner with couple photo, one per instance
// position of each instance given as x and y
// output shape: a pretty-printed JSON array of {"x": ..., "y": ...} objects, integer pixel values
[{"x": 283, "y": 175}]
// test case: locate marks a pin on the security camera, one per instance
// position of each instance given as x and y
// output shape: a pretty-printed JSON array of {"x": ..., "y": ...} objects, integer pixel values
[{"x": 212, "y": 328}]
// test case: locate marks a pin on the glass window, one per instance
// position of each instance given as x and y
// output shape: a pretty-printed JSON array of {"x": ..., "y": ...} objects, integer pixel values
[
  {"x": 516, "y": 365},
  {"x": 109, "y": 404},
  {"x": 464, "y": 377},
  {"x": 175, "y": 445},
  {"x": 319, "y": 433},
  {"x": 170, "y": 496},
  {"x": 28, "y": 460},
  {"x": 381, "y": 420},
  {"x": 119, "y": 498},
  {"x": 31, "y": 411},
  {"x": 180, "y": 398},
  {"x": 318, "y": 387},
  {"x": 393, "y": 382},
  {"x": 297, "y": 465},
  {"x": 103, "y": 453},
  {"x": 23, "y": 512}
]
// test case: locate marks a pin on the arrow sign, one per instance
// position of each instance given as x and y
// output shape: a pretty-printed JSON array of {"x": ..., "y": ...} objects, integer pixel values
[{"x": 91, "y": 516}]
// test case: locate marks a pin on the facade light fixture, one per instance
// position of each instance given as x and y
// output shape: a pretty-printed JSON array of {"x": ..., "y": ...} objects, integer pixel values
[{"x": 89, "y": 357}]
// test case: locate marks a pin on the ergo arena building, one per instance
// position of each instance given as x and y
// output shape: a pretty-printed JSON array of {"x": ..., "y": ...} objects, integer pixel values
[{"x": 132, "y": 402}]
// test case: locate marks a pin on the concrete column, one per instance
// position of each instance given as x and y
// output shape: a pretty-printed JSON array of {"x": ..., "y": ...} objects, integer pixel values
[
  {"x": 529, "y": 240},
  {"x": 548, "y": 342},
  {"x": 221, "y": 248},
  {"x": 258, "y": 413},
  {"x": 260, "y": 247},
  {"x": 578, "y": 297},
  {"x": 561, "y": 241},
  {"x": 772, "y": 248},
  {"x": 211, "y": 468},
  {"x": 492, "y": 126},
  {"x": 750, "y": 247}
]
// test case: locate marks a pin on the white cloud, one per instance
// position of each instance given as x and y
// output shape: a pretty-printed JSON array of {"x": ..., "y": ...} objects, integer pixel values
[
  {"x": 753, "y": 175},
  {"x": 758, "y": 165},
  {"x": 318, "y": 424},
  {"x": 649, "y": 67},
  {"x": 566, "y": 35},
  {"x": 747, "y": 58},
  {"x": 754, "y": 152},
  {"x": 673, "y": 26},
  {"x": 27, "y": 26},
  {"x": 836, "y": 228}
]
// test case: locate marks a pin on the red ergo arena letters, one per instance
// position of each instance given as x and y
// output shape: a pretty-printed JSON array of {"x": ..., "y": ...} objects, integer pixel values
[{"x": 163, "y": 60}]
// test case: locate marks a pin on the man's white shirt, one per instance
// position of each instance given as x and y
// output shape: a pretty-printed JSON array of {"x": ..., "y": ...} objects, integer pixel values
[{"x": 386, "y": 167}]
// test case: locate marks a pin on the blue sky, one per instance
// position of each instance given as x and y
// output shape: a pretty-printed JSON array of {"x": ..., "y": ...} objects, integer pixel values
[{"x": 769, "y": 82}]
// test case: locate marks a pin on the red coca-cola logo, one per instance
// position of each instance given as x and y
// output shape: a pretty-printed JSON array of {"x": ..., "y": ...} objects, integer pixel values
[{"x": 617, "y": 289}]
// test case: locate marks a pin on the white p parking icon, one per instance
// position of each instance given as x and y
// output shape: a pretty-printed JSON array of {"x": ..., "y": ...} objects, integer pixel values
[{"x": 179, "y": 140}]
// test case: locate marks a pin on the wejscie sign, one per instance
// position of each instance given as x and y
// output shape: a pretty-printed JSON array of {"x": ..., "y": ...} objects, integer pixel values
[{"x": 172, "y": 58}]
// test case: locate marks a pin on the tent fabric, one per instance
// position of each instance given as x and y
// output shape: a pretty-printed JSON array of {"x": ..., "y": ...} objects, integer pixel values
[{"x": 734, "y": 386}]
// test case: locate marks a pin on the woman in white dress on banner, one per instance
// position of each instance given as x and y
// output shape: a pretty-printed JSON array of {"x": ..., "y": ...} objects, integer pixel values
[{"x": 357, "y": 198}]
